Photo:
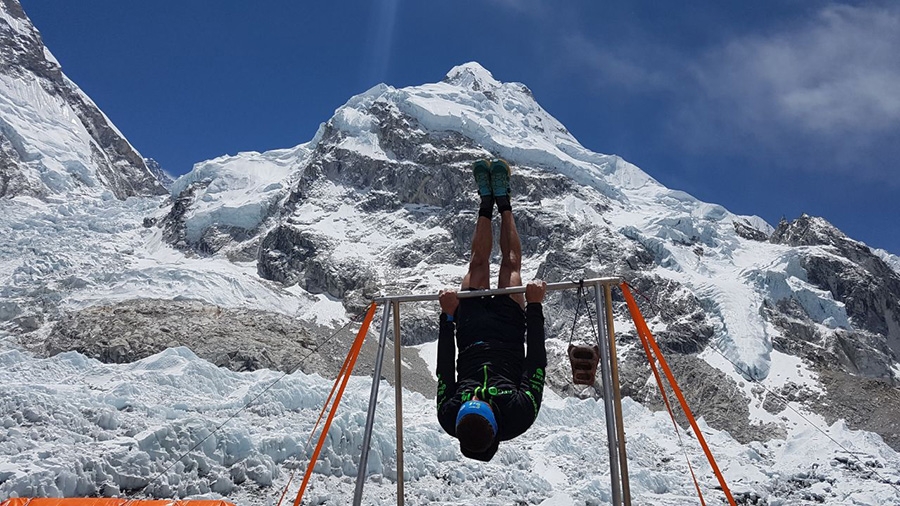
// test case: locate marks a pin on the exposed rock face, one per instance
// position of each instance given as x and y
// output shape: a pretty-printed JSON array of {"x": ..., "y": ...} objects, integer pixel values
[
  {"x": 173, "y": 224},
  {"x": 156, "y": 169},
  {"x": 291, "y": 256},
  {"x": 113, "y": 161},
  {"x": 854, "y": 365},
  {"x": 12, "y": 182},
  {"x": 865, "y": 404},
  {"x": 747, "y": 231},
  {"x": 856, "y": 352},
  {"x": 431, "y": 172},
  {"x": 713, "y": 396},
  {"x": 710, "y": 393},
  {"x": 238, "y": 339},
  {"x": 863, "y": 282}
]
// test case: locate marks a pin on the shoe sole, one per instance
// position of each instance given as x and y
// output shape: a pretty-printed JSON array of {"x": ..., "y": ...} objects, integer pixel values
[
  {"x": 481, "y": 169},
  {"x": 500, "y": 173}
]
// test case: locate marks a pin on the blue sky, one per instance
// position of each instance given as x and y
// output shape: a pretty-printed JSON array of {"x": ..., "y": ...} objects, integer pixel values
[{"x": 773, "y": 108}]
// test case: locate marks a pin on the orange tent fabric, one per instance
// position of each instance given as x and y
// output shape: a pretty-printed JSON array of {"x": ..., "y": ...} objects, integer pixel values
[{"x": 104, "y": 501}]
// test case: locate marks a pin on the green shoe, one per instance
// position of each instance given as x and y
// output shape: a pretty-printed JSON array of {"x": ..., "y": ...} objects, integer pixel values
[
  {"x": 500, "y": 177},
  {"x": 482, "y": 172}
]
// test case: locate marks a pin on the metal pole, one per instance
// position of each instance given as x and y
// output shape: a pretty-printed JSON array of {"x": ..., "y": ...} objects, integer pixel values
[
  {"x": 398, "y": 400},
  {"x": 608, "y": 402},
  {"x": 617, "y": 393},
  {"x": 500, "y": 291},
  {"x": 370, "y": 417}
]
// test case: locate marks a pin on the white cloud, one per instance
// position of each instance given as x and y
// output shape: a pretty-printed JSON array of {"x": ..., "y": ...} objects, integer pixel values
[
  {"x": 817, "y": 90},
  {"x": 834, "y": 75}
]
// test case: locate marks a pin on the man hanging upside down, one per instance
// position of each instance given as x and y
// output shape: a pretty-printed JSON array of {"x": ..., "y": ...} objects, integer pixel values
[{"x": 497, "y": 392}]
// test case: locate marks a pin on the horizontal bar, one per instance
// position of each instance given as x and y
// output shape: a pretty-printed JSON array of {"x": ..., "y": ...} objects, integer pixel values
[{"x": 565, "y": 285}]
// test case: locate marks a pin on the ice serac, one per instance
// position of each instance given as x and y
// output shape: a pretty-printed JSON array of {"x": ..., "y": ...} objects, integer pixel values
[
  {"x": 53, "y": 138},
  {"x": 223, "y": 203},
  {"x": 892, "y": 260}
]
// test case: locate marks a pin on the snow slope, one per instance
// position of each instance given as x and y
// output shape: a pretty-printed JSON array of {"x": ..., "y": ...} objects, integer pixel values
[
  {"x": 82, "y": 251},
  {"x": 55, "y": 139}
]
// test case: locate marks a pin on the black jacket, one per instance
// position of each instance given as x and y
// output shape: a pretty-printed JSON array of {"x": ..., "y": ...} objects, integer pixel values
[{"x": 510, "y": 380}]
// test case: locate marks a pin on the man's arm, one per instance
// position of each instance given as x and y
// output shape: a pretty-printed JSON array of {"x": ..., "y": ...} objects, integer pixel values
[
  {"x": 447, "y": 400},
  {"x": 536, "y": 357},
  {"x": 526, "y": 401}
]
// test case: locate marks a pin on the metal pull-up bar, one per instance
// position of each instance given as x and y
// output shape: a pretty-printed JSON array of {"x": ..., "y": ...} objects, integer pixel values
[
  {"x": 609, "y": 376},
  {"x": 501, "y": 291}
]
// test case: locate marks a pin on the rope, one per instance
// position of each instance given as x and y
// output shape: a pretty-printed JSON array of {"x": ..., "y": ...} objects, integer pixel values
[
  {"x": 316, "y": 426},
  {"x": 577, "y": 307},
  {"x": 343, "y": 370},
  {"x": 248, "y": 403},
  {"x": 285, "y": 491},
  {"x": 643, "y": 329},
  {"x": 591, "y": 317},
  {"x": 352, "y": 355},
  {"x": 665, "y": 398},
  {"x": 582, "y": 296},
  {"x": 785, "y": 400}
]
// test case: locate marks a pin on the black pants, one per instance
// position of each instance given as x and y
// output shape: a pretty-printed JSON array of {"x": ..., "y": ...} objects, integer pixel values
[{"x": 489, "y": 319}]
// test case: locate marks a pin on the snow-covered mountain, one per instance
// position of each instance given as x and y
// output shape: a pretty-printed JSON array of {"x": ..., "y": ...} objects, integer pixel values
[
  {"x": 53, "y": 138},
  {"x": 254, "y": 260},
  {"x": 381, "y": 200}
]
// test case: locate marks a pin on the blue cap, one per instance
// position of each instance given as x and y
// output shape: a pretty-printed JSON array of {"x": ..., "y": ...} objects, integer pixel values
[{"x": 479, "y": 408}]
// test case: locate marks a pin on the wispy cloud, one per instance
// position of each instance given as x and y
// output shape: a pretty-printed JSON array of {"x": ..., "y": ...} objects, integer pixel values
[
  {"x": 828, "y": 87},
  {"x": 835, "y": 74},
  {"x": 381, "y": 35},
  {"x": 818, "y": 91},
  {"x": 532, "y": 7}
]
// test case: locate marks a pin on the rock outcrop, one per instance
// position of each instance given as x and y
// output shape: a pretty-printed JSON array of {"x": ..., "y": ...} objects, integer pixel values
[
  {"x": 237, "y": 339},
  {"x": 855, "y": 276}
]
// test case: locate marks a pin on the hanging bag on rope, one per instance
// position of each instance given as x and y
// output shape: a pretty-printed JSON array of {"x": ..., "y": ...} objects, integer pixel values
[{"x": 583, "y": 357}]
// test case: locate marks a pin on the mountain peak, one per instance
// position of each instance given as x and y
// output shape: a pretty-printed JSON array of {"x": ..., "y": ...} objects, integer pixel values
[
  {"x": 473, "y": 76},
  {"x": 808, "y": 231}
]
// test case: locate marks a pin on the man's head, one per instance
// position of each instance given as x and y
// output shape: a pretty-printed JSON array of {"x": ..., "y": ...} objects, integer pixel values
[{"x": 476, "y": 426}]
